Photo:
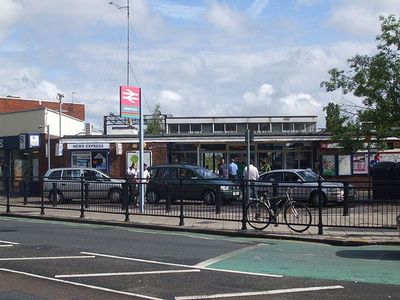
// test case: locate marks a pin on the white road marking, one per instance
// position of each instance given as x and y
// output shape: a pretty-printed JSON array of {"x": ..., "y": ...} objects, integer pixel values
[
  {"x": 46, "y": 257},
  {"x": 11, "y": 243},
  {"x": 6, "y": 245},
  {"x": 227, "y": 255},
  {"x": 178, "y": 265},
  {"x": 126, "y": 273},
  {"x": 81, "y": 284},
  {"x": 271, "y": 292}
]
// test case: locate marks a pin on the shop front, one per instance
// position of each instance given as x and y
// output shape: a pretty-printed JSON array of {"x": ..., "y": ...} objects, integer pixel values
[{"x": 92, "y": 155}]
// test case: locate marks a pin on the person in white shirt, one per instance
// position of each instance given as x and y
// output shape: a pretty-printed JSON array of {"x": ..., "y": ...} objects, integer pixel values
[
  {"x": 144, "y": 179},
  {"x": 132, "y": 174},
  {"x": 253, "y": 176}
]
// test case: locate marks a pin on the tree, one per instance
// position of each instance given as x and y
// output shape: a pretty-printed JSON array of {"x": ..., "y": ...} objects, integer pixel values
[
  {"x": 155, "y": 124},
  {"x": 375, "y": 79}
]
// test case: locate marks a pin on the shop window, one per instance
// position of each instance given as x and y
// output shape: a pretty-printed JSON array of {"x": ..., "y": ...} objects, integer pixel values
[
  {"x": 287, "y": 127},
  {"x": 292, "y": 160}
]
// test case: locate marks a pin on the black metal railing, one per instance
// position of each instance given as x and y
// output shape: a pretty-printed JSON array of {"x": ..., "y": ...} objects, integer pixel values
[{"x": 332, "y": 204}]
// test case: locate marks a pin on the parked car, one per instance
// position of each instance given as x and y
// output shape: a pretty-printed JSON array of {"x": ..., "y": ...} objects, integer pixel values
[
  {"x": 68, "y": 184},
  {"x": 305, "y": 184},
  {"x": 198, "y": 184}
]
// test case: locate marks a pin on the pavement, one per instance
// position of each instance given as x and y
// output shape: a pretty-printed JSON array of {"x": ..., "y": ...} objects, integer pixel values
[{"x": 343, "y": 236}]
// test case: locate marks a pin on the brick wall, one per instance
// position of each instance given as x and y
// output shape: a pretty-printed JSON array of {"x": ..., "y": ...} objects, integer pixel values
[{"x": 12, "y": 105}]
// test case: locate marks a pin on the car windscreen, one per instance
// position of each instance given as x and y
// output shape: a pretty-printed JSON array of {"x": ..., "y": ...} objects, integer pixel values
[
  {"x": 205, "y": 173},
  {"x": 308, "y": 175}
]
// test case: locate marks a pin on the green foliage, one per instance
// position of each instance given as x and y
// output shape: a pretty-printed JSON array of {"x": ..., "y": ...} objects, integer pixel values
[
  {"x": 375, "y": 79},
  {"x": 155, "y": 125}
]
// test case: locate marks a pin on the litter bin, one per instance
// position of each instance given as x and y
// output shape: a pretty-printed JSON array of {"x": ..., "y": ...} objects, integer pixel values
[{"x": 382, "y": 174}]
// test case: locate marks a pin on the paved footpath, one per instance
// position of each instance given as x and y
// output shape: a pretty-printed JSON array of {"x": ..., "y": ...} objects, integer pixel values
[{"x": 331, "y": 235}]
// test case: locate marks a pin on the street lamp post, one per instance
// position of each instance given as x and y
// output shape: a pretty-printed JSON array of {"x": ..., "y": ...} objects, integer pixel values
[
  {"x": 48, "y": 146},
  {"x": 127, "y": 36}
]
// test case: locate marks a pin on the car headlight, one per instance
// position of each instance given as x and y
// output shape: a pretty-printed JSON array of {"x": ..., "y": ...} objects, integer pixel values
[{"x": 225, "y": 187}]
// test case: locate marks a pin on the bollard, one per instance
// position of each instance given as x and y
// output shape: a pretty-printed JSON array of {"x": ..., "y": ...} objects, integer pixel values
[
  {"x": 25, "y": 193},
  {"x": 168, "y": 200},
  {"x": 218, "y": 202},
  {"x": 82, "y": 196},
  {"x": 244, "y": 197},
  {"x": 54, "y": 194},
  {"x": 320, "y": 225},
  {"x": 346, "y": 199},
  {"x": 125, "y": 199},
  {"x": 86, "y": 184},
  {"x": 8, "y": 194},
  {"x": 181, "y": 217}
]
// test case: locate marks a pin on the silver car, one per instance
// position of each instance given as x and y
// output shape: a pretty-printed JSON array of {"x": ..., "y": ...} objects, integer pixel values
[
  {"x": 64, "y": 184},
  {"x": 305, "y": 184}
]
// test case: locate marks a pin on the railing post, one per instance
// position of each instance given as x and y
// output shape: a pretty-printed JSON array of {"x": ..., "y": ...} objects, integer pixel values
[
  {"x": 54, "y": 193},
  {"x": 274, "y": 189},
  {"x": 218, "y": 201},
  {"x": 25, "y": 192},
  {"x": 42, "y": 199},
  {"x": 86, "y": 184},
  {"x": 346, "y": 199},
  {"x": 82, "y": 196},
  {"x": 8, "y": 193},
  {"x": 244, "y": 197},
  {"x": 181, "y": 217},
  {"x": 320, "y": 225},
  {"x": 125, "y": 199},
  {"x": 168, "y": 200}
]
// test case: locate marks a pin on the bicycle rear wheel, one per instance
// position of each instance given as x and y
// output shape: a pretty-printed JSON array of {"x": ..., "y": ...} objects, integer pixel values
[
  {"x": 257, "y": 215},
  {"x": 297, "y": 216}
]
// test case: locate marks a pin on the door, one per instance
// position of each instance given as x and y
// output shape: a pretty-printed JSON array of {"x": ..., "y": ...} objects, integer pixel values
[{"x": 70, "y": 184}]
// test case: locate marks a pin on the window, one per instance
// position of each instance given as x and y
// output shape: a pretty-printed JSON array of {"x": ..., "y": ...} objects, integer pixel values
[
  {"x": 299, "y": 126},
  {"x": 195, "y": 127},
  {"x": 276, "y": 127},
  {"x": 218, "y": 127},
  {"x": 55, "y": 175},
  {"x": 290, "y": 177},
  {"x": 264, "y": 127},
  {"x": 287, "y": 126},
  {"x": 71, "y": 174},
  {"x": 173, "y": 128},
  {"x": 230, "y": 127},
  {"x": 184, "y": 128},
  {"x": 168, "y": 173},
  {"x": 253, "y": 126},
  {"x": 273, "y": 177}
]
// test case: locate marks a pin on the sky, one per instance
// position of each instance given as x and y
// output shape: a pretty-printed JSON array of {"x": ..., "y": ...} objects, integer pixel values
[{"x": 193, "y": 57}]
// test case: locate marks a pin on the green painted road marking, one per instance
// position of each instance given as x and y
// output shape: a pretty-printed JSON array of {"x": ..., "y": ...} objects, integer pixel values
[{"x": 369, "y": 264}]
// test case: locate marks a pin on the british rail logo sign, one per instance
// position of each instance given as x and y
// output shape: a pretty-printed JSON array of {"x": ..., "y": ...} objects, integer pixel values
[{"x": 129, "y": 99}]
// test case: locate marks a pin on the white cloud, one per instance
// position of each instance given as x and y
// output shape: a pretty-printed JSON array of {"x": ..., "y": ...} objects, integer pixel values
[
  {"x": 9, "y": 14},
  {"x": 261, "y": 97},
  {"x": 225, "y": 18},
  {"x": 257, "y": 7},
  {"x": 362, "y": 16}
]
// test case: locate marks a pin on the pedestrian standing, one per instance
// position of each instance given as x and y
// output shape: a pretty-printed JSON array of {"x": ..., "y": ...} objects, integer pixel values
[
  {"x": 143, "y": 180},
  {"x": 222, "y": 170},
  {"x": 253, "y": 176},
  {"x": 132, "y": 174},
  {"x": 232, "y": 170}
]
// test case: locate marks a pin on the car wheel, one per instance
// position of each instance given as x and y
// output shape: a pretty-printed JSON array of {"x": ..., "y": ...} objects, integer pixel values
[
  {"x": 314, "y": 200},
  {"x": 58, "y": 197},
  {"x": 152, "y": 197},
  {"x": 115, "y": 195},
  {"x": 208, "y": 197}
]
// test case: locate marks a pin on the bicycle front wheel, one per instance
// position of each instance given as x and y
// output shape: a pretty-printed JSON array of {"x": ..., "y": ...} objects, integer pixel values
[
  {"x": 297, "y": 216},
  {"x": 257, "y": 215}
]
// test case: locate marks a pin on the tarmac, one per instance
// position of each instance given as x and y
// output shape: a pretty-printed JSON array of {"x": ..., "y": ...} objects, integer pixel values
[{"x": 343, "y": 236}]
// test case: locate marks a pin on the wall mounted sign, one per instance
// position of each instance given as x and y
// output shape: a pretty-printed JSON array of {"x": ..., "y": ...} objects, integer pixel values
[{"x": 88, "y": 146}]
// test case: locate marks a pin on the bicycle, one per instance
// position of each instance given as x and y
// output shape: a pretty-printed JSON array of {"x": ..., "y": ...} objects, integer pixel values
[{"x": 260, "y": 213}]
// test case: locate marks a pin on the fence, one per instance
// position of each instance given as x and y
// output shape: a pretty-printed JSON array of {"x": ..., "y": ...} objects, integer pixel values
[{"x": 332, "y": 204}]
